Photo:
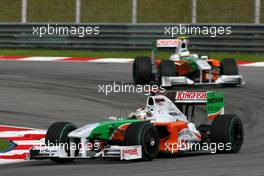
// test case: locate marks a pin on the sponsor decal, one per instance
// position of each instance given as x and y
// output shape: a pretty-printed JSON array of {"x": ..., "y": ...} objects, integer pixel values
[
  {"x": 215, "y": 104},
  {"x": 185, "y": 134},
  {"x": 188, "y": 96},
  {"x": 168, "y": 42},
  {"x": 131, "y": 152},
  {"x": 215, "y": 100}
]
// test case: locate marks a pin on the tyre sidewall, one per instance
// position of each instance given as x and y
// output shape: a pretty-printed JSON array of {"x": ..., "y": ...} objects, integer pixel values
[
  {"x": 222, "y": 131},
  {"x": 142, "y": 70},
  {"x": 228, "y": 67},
  {"x": 138, "y": 134}
]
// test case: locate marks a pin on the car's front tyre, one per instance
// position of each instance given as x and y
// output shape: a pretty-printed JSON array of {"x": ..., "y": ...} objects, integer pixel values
[
  {"x": 58, "y": 134},
  {"x": 146, "y": 135}
]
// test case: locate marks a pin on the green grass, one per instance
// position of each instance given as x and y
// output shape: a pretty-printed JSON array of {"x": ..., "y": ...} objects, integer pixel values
[
  {"x": 3, "y": 144},
  {"x": 10, "y": 11},
  {"x": 169, "y": 11},
  {"x": 120, "y": 54},
  {"x": 119, "y": 11},
  {"x": 51, "y": 11},
  {"x": 225, "y": 11},
  {"x": 106, "y": 11}
]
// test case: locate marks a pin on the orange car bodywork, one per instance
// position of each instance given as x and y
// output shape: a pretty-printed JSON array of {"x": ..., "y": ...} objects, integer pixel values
[
  {"x": 168, "y": 133},
  {"x": 168, "y": 141},
  {"x": 171, "y": 138},
  {"x": 183, "y": 68}
]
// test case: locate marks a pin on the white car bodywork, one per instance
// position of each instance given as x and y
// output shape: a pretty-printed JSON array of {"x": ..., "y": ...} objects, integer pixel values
[
  {"x": 161, "y": 110},
  {"x": 181, "y": 51}
]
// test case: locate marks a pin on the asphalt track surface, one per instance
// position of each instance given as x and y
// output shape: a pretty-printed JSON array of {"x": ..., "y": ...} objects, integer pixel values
[{"x": 36, "y": 94}]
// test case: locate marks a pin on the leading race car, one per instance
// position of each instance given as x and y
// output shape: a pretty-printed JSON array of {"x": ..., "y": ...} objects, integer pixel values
[
  {"x": 184, "y": 68},
  {"x": 159, "y": 127}
]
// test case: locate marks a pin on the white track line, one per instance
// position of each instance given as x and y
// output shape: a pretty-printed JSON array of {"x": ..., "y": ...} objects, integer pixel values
[
  {"x": 43, "y": 58},
  {"x": 99, "y": 60},
  {"x": 112, "y": 60},
  {"x": 256, "y": 64},
  {"x": 30, "y": 142},
  {"x": 14, "y": 152},
  {"x": 23, "y": 135},
  {"x": 8, "y": 134},
  {"x": 5, "y": 161},
  {"x": 18, "y": 127}
]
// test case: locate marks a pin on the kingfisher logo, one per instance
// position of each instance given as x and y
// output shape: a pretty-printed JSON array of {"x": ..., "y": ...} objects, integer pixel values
[{"x": 191, "y": 95}]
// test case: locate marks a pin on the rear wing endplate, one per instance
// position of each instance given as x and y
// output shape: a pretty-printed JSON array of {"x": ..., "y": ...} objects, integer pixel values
[{"x": 214, "y": 101}]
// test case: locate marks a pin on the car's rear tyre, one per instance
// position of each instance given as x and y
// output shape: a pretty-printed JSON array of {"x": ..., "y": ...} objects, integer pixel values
[
  {"x": 146, "y": 135},
  {"x": 228, "y": 67},
  {"x": 58, "y": 134},
  {"x": 166, "y": 68},
  {"x": 142, "y": 70},
  {"x": 227, "y": 129}
]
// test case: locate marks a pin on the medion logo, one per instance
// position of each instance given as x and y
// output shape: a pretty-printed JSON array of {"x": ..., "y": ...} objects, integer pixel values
[
  {"x": 190, "y": 95},
  {"x": 216, "y": 100}
]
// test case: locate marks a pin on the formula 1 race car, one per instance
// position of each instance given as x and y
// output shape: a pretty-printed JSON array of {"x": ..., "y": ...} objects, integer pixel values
[
  {"x": 184, "y": 68},
  {"x": 160, "y": 127}
]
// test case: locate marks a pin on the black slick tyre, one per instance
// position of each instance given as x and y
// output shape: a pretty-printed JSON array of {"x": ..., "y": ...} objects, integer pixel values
[
  {"x": 58, "y": 134},
  {"x": 142, "y": 70},
  {"x": 228, "y": 67},
  {"x": 227, "y": 129},
  {"x": 146, "y": 135},
  {"x": 166, "y": 68}
]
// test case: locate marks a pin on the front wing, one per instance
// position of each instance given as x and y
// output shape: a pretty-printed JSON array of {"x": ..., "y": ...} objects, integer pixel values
[
  {"x": 222, "y": 80},
  {"x": 113, "y": 151}
]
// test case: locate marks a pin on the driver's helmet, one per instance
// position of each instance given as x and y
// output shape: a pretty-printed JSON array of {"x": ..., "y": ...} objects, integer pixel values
[{"x": 141, "y": 113}]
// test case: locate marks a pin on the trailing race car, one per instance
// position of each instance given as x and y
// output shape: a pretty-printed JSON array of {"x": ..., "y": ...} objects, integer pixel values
[
  {"x": 160, "y": 127},
  {"x": 182, "y": 67}
]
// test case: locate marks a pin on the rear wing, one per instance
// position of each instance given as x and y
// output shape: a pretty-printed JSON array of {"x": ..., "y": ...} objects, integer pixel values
[
  {"x": 178, "y": 45},
  {"x": 191, "y": 97},
  {"x": 164, "y": 43},
  {"x": 168, "y": 43},
  {"x": 214, "y": 101}
]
